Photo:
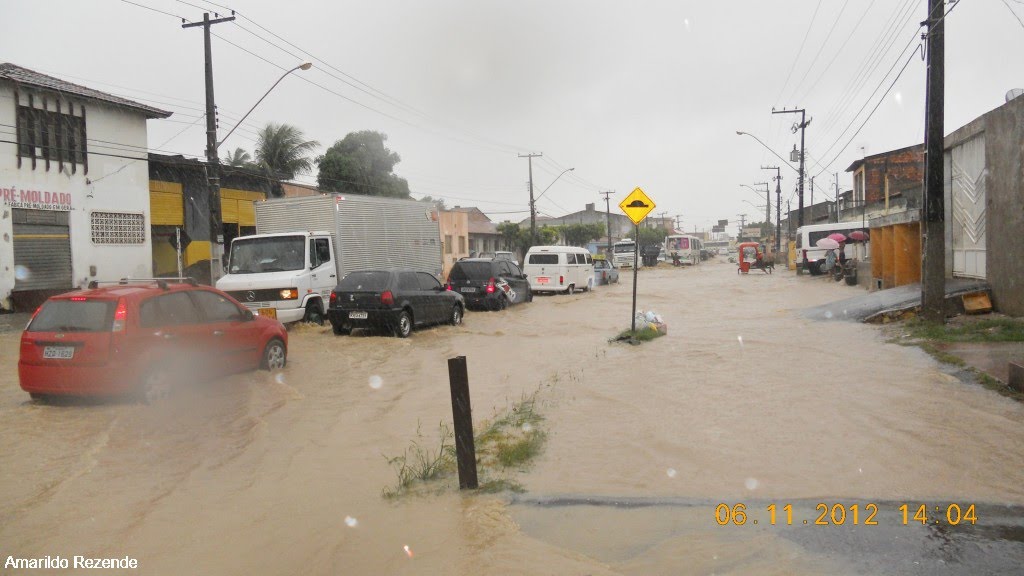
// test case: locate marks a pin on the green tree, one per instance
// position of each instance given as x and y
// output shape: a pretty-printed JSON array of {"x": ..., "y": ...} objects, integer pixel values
[
  {"x": 651, "y": 236},
  {"x": 361, "y": 164},
  {"x": 238, "y": 159},
  {"x": 283, "y": 150},
  {"x": 511, "y": 235},
  {"x": 439, "y": 202},
  {"x": 581, "y": 234}
]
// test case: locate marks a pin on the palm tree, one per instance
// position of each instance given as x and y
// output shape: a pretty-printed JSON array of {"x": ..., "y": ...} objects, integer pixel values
[
  {"x": 284, "y": 151},
  {"x": 238, "y": 159}
]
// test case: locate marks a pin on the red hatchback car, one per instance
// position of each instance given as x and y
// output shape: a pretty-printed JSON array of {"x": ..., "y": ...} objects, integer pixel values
[{"x": 141, "y": 337}]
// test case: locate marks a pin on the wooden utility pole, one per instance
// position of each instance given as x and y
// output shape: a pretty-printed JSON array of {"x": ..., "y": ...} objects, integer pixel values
[
  {"x": 533, "y": 205},
  {"x": 804, "y": 123},
  {"x": 933, "y": 277},
  {"x": 608, "y": 217},
  {"x": 212, "y": 162}
]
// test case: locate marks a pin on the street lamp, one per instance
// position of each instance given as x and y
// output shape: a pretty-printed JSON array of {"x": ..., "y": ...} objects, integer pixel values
[
  {"x": 533, "y": 205},
  {"x": 213, "y": 176},
  {"x": 739, "y": 133},
  {"x": 304, "y": 66}
]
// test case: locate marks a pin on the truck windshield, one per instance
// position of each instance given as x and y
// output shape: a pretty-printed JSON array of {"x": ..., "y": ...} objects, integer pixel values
[
  {"x": 620, "y": 248},
  {"x": 274, "y": 254}
]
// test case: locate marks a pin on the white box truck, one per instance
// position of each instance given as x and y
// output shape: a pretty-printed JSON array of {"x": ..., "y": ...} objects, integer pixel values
[{"x": 304, "y": 246}]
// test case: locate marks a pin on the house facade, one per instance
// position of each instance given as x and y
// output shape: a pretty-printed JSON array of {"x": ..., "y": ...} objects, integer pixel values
[
  {"x": 74, "y": 203},
  {"x": 454, "y": 230},
  {"x": 180, "y": 220},
  {"x": 621, "y": 226}
]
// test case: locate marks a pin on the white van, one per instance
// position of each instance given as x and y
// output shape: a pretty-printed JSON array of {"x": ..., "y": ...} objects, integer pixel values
[
  {"x": 559, "y": 269},
  {"x": 809, "y": 256}
]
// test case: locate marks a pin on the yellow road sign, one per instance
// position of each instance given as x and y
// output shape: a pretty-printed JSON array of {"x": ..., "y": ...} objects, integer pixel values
[{"x": 637, "y": 206}]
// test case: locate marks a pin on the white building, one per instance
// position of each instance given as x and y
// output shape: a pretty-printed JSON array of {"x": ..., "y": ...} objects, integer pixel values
[{"x": 74, "y": 198}]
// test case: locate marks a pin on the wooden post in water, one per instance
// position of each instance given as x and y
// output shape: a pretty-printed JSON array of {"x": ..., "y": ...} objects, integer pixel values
[{"x": 465, "y": 450}]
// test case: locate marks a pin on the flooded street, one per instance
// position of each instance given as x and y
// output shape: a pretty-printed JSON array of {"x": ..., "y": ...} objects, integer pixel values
[{"x": 742, "y": 403}]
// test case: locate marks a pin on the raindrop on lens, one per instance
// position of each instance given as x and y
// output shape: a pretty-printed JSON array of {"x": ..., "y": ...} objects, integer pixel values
[
  {"x": 828, "y": 314},
  {"x": 671, "y": 472},
  {"x": 22, "y": 272},
  {"x": 740, "y": 340},
  {"x": 408, "y": 552},
  {"x": 376, "y": 382},
  {"x": 751, "y": 483},
  {"x": 351, "y": 522},
  {"x": 527, "y": 427},
  {"x": 279, "y": 377}
]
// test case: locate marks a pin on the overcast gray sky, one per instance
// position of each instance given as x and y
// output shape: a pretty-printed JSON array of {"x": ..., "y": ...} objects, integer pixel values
[{"x": 643, "y": 93}]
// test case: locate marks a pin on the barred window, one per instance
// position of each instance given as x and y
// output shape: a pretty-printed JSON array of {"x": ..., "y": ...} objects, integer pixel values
[
  {"x": 51, "y": 135},
  {"x": 118, "y": 228}
]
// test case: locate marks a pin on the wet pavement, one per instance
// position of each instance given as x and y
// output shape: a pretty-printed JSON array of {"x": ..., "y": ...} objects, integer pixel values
[{"x": 743, "y": 402}]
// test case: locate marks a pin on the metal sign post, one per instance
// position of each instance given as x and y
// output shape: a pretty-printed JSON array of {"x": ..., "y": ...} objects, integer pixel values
[
  {"x": 636, "y": 206},
  {"x": 636, "y": 253}
]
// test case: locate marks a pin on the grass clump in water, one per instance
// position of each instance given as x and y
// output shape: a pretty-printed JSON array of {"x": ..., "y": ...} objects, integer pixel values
[
  {"x": 636, "y": 337},
  {"x": 968, "y": 330},
  {"x": 509, "y": 441},
  {"x": 419, "y": 464}
]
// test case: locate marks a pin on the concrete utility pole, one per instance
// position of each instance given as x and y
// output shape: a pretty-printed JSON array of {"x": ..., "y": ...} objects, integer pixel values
[
  {"x": 804, "y": 123},
  {"x": 533, "y": 207},
  {"x": 812, "y": 200},
  {"x": 661, "y": 220},
  {"x": 212, "y": 162},
  {"x": 778, "y": 205},
  {"x": 678, "y": 221},
  {"x": 743, "y": 223},
  {"x": 933, "y": 281},
  {"x": 837, "y": 196},
  {"x": 608, "y": 215}
]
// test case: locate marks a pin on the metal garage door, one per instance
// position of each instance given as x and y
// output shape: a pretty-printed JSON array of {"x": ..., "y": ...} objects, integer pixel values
[
  {"x": 42, "y": 250},
  {"x": 968, "y": 210}
]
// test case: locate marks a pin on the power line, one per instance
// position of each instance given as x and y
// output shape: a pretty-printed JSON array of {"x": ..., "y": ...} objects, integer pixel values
[
  {"x": 828, "y": 66},
  {"x": 823, "y": 44},
  {"x": 799, "y": 52}
]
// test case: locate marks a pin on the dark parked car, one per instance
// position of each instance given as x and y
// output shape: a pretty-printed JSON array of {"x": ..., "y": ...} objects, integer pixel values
[
  {"x": 489, "y": 283},
  {"x": 395, "y": 300},
  {"x": 144, "y": 337}
]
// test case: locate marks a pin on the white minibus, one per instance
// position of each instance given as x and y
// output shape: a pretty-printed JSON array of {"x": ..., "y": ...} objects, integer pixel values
[
  {"x": 686, "y": 248},
  {"x": 559, "y": 269},
  {"x": 809, "y": 256}
]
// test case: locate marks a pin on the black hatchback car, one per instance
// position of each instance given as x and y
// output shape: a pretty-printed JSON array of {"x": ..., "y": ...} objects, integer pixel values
[
  {"x": 395, "y": 300},
  {"x": 489, "y": 283}
]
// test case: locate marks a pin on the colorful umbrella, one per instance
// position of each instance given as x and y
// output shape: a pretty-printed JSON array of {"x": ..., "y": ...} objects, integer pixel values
[
  {"x": 859, "y": 235},
  {"x": 827, "y": 244},
  {"x": 837, "y": 237}
]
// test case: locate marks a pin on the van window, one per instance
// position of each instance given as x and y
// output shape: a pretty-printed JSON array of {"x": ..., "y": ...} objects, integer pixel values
[
  {"x": 590, "y": 258},
  {"x": 543, "y": 259}
]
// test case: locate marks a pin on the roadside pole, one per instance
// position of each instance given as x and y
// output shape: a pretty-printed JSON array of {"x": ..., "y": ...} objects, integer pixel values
[
  {"x": 636, "y": 253},
  {"x": 462, "y": 413},
  {"x": 636, "y": 206}
]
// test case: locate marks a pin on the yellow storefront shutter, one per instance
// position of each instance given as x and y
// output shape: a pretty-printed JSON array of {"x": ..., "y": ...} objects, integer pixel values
[{"x": 165, "y": 204}]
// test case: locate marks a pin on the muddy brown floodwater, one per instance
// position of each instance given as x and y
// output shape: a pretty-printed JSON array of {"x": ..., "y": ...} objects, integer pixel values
[{"x": 742, "y": 402}]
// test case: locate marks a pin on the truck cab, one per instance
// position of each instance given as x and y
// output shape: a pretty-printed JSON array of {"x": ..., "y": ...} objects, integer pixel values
[{"x": 287, "y": 276}]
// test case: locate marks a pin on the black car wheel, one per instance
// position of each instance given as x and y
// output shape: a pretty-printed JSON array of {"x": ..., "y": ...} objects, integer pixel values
[
  {"x": 340, "y": 329},
  {"x": 404, "y": 325},
  {"x": 275, "y": 356},
  {"x": 456, "y": 317},
  {"x": 502, "y": 303},
  {"x": 529, "y": 294}
]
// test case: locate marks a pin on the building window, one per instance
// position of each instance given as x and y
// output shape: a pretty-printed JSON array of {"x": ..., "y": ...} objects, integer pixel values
[
  {"x": 118, "y": 228},
  {"x": 447, "y": 243},
  {"x": 462, "y": 244},
  {"x": 51, "y": 135}
]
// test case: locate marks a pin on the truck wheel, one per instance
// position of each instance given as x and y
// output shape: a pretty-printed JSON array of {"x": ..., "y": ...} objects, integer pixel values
[
  {"x": 313, "y": 314},
  {"x": 275, "y": 355}
]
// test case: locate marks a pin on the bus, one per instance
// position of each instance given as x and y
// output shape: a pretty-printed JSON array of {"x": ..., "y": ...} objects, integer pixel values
[{"x": 686, "y": 248}]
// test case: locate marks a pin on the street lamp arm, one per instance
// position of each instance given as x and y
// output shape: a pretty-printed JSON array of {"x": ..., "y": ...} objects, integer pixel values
[
  {"x": 305, "y": 66},
  {"x": 784, "y": 161},
  {"x": 553, "y": 183},
  {"x": 752, "y": 188}
]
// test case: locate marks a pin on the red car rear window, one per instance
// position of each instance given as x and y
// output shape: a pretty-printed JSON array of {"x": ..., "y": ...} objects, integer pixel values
[{"x": 74, "y": 316}]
